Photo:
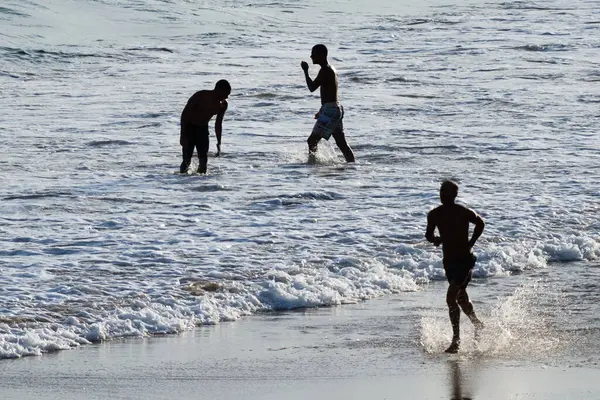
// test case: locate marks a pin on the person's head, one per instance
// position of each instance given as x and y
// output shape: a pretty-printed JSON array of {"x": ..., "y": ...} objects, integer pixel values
[
  {"x": 222, "y": 89},
  {"x": 319, "y": 54},
  {"x": 448, "y": 192}
]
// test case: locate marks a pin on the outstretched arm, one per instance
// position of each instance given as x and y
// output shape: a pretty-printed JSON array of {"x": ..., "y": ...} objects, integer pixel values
[
  {"x": 479, "y": 225},
  {"x": 430, "y": 232},
  {"x": 312, "y": 85},
  {"x": 219, "y": 126}
]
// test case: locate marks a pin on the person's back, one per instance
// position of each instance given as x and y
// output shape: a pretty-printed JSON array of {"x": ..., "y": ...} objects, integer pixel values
[
  {"x": 201, "y": 107},
  {"x": 329, "y": 85},
  {"x": 452, "y": 221}
]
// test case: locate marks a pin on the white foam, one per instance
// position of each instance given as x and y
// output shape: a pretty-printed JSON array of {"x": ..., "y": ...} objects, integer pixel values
[{"x": 573, "y": 248}]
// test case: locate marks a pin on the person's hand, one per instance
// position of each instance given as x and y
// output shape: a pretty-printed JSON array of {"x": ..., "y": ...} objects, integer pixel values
[
  {"x": 304, "y": 66},
  {"x": 218, "y": 150},
  {"x": 437, "y": 241}
]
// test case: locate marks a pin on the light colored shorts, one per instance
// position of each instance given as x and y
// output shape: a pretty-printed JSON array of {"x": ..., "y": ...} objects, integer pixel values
[{"x": 329, "y": 120}]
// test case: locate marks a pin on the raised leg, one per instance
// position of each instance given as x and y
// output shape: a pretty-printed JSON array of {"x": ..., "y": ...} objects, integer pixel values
[{"x": 467, "y": 307}]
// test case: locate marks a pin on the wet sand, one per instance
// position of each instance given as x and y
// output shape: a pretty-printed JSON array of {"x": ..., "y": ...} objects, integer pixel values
[{"x": 371, "y": 350}]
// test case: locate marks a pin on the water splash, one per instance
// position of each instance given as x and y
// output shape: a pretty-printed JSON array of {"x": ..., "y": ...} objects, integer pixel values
[{"x": 516, "y": 327}]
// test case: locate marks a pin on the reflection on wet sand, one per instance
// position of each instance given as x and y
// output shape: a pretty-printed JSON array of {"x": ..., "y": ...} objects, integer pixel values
[{"x": 460, "y": 385}]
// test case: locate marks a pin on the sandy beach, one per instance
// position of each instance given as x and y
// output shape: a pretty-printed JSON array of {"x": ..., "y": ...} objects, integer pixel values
[{"x": 370, "y": 350}]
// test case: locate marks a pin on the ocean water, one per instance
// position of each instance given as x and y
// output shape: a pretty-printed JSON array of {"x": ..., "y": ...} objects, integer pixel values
[{"x": 101, "y": 238}]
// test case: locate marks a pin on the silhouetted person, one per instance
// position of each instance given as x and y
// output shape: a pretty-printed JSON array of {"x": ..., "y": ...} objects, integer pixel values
[
  {"x": 198, "y": 111},
  {"x": 330, "y": 116},
  {"x": 452, "y": 221}
]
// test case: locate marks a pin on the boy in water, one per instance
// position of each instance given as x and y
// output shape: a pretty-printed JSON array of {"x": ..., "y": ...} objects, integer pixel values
[
  {"x": 329, "y": 118},
  {"x": 199, "y": 110},
  {"x": 452, "y": 221}
]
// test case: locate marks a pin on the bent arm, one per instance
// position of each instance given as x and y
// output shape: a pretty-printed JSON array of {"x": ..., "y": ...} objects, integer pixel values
[
  {"x": 430, "y": 231},
  {"x": 479, "y": 226},
  {"x": 313, "y": 85}
]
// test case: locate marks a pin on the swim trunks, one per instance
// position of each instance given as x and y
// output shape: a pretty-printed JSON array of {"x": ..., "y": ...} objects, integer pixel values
[
  {"x": 196, "y": 136},
  {"x": 459, "y": 271},
  {"x": 329, "y": 120}
]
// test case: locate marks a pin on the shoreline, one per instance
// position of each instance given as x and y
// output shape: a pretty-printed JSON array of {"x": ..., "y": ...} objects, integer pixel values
[{"x": 372, "y": 349}]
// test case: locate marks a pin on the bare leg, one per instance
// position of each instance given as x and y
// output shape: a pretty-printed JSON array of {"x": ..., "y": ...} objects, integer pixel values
[
  {"x": 454, "y": 312},
  {"x": 340, "y": 141},
  {"x": 313, "y": 141},
  {"x": 467, "y": 307},
  {"x": 202, "y": 148},
  {"x": 187, "y": 158},
  {"x": 202, "y": 162}
]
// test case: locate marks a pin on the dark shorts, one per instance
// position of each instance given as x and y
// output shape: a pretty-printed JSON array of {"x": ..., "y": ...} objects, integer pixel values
[
  {"x": 459, "y": 271},
  {"x": 197, "y": 137}
]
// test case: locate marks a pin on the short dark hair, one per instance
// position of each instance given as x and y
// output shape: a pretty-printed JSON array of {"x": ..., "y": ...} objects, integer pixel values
[
  {"x": 320, "y": 49},
  {"x": 223, "y": 86},
  {"x": 450, "y": 186}
]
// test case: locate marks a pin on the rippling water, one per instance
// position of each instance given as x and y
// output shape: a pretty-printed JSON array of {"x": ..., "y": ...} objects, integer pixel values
[{"x": 100, "y": 237}]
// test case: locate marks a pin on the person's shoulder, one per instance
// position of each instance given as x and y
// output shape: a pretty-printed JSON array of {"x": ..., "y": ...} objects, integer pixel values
[
  {"x": 466, "y": 210},
  {"x": 329, "y": 69},
  {"x": 199, "y": 94},
  {"x": 460, "y": 207},
  {"x": 435, "y": 211}
]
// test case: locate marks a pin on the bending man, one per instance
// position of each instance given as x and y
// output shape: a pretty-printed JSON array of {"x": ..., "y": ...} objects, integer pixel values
[{"x": 199, "y": 110}]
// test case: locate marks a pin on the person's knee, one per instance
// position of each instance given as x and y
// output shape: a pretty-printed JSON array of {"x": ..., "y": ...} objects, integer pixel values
[
  {"x": 465, "y": 304},
  {"x": 340, "y": 142},
  {"x": 451, "y": 300},
  {"x": 452, "y": 295}
]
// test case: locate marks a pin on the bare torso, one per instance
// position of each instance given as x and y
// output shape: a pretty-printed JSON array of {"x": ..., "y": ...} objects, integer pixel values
[
  {"x": 329, "y": 84},
  {"x": 201, "y": 107},
  {"x": 452, "y": 222}
]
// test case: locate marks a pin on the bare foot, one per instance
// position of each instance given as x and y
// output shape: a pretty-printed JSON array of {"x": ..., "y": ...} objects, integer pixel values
[{"x": 453, "y": 347}]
